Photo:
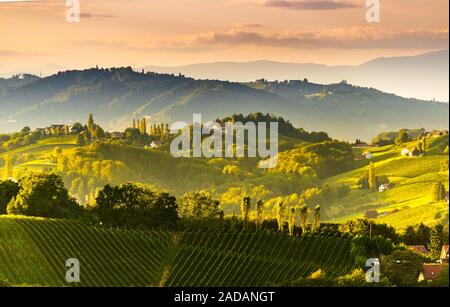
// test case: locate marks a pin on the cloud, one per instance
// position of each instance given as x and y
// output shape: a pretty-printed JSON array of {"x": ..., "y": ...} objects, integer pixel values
[
  {"x": 5, "y": 53},
  {"x": 340, "y": 38},
  {"x": 249, "y": 25},
  {"x": 311, "y": 4},
  {"x": 343, "y": 38},
  {"x": 93, "y": 15}
]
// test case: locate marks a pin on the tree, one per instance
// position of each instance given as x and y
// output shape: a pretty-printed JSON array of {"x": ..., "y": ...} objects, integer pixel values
[
  {"x": 80, "y": 140},
  {"x": 90, "y": 123},
  {"x": 245, "y": 208},
  {"x": 57, "y": 151},
  {"x": 424, "y": 145},
  {"x": 43, "y": 195},
  {"x": 8, "y": 190},
  {"x": 437, "y": 240},
  {"x": 259, "y": 207},
  {"x": 372, "y": 178},
  {"x": 143, "y": 126},
  {"x": 77, "y": 128},
  {"x": 98, "y": 132},
  {"x": 438, "y": 192},
  {"x": 135, "y": 206},
  {"x": 199, "y": 205},
  {"x": 418, "y": 234},
  {"x": 25, "y": 130},
  {"x": 291, "y": 222},
  {"x": 66, "y": 130},
  {"x": 403, "y": 137},
  {"x": 316, "y": 224},
  {"x": 304, "y": 219},
  {"x": 9, "y": 167},
  {"x": 402, "y": 267},
  {"x": 280, "y": 215}
]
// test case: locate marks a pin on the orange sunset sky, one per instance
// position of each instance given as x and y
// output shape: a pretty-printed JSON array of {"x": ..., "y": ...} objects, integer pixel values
[{"x": 36, "y": 35}]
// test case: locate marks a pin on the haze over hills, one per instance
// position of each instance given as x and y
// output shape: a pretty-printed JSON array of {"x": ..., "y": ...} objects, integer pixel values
[
  {"x": 117, "y": 95},
  {"x": 423, "y": 76}
]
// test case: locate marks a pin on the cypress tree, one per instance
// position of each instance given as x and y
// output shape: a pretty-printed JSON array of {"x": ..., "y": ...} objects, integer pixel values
[
  {"x": 280, "y": 216},
  {"x": 291, "y": 222},
  {"x": 90, "y": 123},
  {"x": 316, "y": 224},
  {"x": 372, "y": 178},
  {"x": 245, "y": 208},
  {"x": 304, "y": 219},
  {"x": 259, "y": 206}
]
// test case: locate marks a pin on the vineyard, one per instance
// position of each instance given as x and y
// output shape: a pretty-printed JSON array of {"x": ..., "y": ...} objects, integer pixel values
[{"x": 34, "y": 252}]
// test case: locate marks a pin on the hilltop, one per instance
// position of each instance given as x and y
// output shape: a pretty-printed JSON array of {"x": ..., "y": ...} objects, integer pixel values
[{"x": 116, "y": 95}]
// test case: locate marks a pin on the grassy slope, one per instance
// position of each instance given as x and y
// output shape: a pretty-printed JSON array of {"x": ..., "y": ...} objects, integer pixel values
[
  {"x": 34, "y": 251},
  {"x": 39, "y": 153},
  {"x": 412, "y": 179}
]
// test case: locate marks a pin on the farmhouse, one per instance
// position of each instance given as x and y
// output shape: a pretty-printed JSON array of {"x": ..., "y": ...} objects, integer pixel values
[
  {"x": 431, "y": 271},
  {"x": 437, "y": 133},
  {"x": 420, "y": 249},
  {"x": 383, "y": 187},
  {"x": 444, "y": 254},
  {"x": 410, "y": 153},
  {"x": 405, "y": 152},
  {"x": 367, "y": 155},
  {"x": 116, "y": 135}
]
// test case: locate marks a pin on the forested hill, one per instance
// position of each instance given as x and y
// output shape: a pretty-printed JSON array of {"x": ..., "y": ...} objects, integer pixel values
[{"x": 118, "y": 94}]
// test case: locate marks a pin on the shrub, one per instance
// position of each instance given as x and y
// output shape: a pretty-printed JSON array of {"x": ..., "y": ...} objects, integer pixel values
[
  {"x": 371, "y": 214},
  {"x": 132, "y": 205},
  {"x": 8, "y": 190},
  {"x": 43, "y": 195}
]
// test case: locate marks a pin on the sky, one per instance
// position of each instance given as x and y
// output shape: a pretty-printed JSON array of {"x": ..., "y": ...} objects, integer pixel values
[{"x": 35, "y": 35}]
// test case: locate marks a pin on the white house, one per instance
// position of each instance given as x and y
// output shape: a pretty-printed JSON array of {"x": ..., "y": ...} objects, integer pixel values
[
  {"x": 383, "y": 187},
  {"x": 405, "y": 152}
]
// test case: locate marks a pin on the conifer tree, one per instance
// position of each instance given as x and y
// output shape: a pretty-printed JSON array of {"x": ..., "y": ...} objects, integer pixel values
[
  {"x": 291, "y": 222},
  {"x": 304, "y": 219},
  {"x": 372, "y": 178},
  {"x": 90, "y": 123},
  {"x": 9, "y": 167},
  {"x": 280, "y": 216},
  {"x": 259, "y": 207},
  {"x": 245, "y": 208},
  {"x": 316, "y": 224}
]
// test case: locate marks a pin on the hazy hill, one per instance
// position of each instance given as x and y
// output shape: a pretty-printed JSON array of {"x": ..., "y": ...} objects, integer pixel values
[
  {"x": 424, "y": 76},
  {"x": 117, "y": 95}
]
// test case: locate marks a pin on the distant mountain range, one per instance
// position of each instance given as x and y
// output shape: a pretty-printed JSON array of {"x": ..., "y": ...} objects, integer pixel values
[
  {"x": 117, "y": 95},
  {"x": 424, "y": 76}
]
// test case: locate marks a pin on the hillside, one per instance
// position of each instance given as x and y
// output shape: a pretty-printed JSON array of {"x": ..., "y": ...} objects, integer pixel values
[
  {"x": 314, "y": 172},
  {"x": 117, "y": 95},
  {"x": 152, "y": 258},
  {"x": 408, "y": 200},
  {"x": 403, "y": 76}
]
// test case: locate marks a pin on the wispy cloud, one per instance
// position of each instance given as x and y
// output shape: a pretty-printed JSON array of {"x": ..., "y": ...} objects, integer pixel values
[
  {"x": 5, "y": 53},
  {"x": 311, "y": 4},
  {"x": 93, "y": 15},
  {"x": 341, "y": 38}
]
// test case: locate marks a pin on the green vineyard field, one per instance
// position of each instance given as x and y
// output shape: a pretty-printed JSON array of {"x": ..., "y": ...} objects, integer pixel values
[{"x": 34, "y": 252}]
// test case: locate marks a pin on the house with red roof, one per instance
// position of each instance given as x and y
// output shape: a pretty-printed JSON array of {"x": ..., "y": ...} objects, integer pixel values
[{"x": 431, "y": 271}]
